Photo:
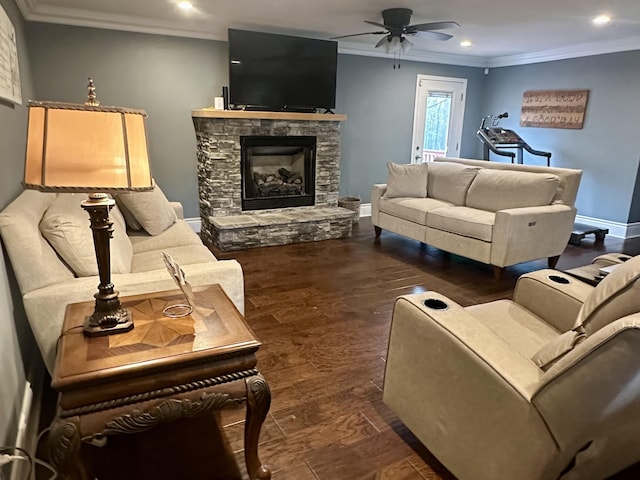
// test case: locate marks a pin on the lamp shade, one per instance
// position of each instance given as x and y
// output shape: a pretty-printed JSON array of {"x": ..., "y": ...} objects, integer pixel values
[{"x": 84, "y": 148}]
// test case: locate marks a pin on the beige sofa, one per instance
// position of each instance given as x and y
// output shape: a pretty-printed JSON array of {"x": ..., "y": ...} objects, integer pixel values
[
  {"x": 48, "y": 241},
  {"x": 496, "y": 213},
  {"x": 542, "y": 387}
]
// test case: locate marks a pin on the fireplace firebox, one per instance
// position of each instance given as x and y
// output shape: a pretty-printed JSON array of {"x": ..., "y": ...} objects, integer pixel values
[{"x": 277, "y": 172}]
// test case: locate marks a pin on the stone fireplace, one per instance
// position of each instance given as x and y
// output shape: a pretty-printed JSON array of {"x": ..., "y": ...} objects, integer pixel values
[{"x": 269, "y": 178}]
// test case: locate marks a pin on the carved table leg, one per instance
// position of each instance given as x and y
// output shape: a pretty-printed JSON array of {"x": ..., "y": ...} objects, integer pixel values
[
  {"x": 65, "y": 450},
  {"x": 258, "y": 402}
]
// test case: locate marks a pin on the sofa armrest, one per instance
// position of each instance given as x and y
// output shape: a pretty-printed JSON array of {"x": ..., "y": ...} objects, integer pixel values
[
  {"x": 608, "y": 259},
  {"x": 415, "y": 324},
  {"x": 529, "y": 233},
  {"x": 553, "y": 296},
  {"x": 377, "y": 191},
  {"x": 449, "y": 376},
  {"x": 177, "y": 207}
]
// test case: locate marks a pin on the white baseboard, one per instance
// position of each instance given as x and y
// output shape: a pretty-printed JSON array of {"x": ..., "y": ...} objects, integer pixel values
[
  {"x": 616, "y": 229},
  {"x": 27, "y": 435},
  {"x": 194, "y": 223},
  {"x": 365, "y": 210}
]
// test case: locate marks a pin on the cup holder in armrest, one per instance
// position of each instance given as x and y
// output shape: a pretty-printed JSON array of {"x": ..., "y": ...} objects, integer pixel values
[
  {"x": 559, "y": 279},
  {"x": 435, "y": 304}
]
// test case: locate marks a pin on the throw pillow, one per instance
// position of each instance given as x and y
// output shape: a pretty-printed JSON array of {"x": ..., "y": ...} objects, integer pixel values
[
  {"x": 406, "y": 180},
  {"x": 66, "y": 227},
  {"x": 131, "y": 221},
  {"x": 151, "y": 209}
]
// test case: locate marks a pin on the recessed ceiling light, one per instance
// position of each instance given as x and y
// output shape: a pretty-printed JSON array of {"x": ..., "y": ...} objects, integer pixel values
[
  {"x": 601, "y": 20},
  {"x": 466, "y": 43},
  {"x": 186, "y": 6}
]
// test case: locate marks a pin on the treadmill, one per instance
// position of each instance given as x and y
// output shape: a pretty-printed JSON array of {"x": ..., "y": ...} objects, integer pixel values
[{"x": 503, "y": 142}]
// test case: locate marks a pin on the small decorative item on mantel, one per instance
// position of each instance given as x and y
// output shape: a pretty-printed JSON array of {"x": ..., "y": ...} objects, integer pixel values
[{"x": 351, "y": 203}]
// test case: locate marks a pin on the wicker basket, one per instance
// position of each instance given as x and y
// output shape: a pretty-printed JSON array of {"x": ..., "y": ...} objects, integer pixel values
[{"x": 351, "y": 203}]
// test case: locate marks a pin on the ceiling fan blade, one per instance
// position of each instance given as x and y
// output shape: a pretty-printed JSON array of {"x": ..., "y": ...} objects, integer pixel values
[
  {"x": 433, "y": 35},
  {"x": 357, "y": 35},
  {"x": 382, "y": 42},
  {"x": 422, "y": 27},
  {"x": 377, "y": 24}
]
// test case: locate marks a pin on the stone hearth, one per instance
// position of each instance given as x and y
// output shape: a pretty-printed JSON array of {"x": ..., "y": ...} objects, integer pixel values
[{"x": 224, "y": 223}]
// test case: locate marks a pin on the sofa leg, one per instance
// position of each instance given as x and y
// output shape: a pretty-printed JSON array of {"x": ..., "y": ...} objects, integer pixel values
[
  {"x": 553, "y": 261},
  {"x": 378, "y": 231},
  {"x": 497, "y": 272}
]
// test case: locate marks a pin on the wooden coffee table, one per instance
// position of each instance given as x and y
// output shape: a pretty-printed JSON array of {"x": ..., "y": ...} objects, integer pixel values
[{"x": 163, "y": 370}]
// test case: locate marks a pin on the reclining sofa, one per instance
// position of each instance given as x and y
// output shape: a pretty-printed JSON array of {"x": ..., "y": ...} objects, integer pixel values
[
  {"x": 496, "y": 213},
  {"x": 49, "y": 243},
  {"x": 542, "y": 387}
]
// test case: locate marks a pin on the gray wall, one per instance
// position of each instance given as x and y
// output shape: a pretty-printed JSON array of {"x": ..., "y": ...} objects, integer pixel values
[
  {"x": 17, "y": 348},
  {"x": 608, "y": 146},
  {"x": 379, "y": 103},
  {"x": 166, "y": 76}
]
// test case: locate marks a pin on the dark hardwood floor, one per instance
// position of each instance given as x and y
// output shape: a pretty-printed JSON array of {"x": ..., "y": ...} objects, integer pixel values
[{"x": 323, "y": 311}]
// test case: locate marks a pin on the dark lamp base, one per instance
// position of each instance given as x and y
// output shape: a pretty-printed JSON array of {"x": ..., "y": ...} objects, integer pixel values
[
  {"x": 124, "y": 325},
  {"x": 108, "y": 317}
]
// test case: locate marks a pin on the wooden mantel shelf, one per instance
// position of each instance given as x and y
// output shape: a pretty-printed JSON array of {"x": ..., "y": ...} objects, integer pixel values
[{"x": 318, "y": 117}]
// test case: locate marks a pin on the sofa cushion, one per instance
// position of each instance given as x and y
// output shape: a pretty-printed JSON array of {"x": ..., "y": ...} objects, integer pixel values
[
  {"x": 178, "y": 234},
  {"x": 412, "y": 209},
  {"x": 66, "y": 226},
  {"x": 502, "y": 189},
  {"x": 406, "y": 180},
  {"x": 183, "y": 255},
  {"x": 616, "y": 296},
  {"x": 450, "y": 181},
  {"x": 465, "y": 221},
  {"x": 151, "y": 209},
  {"x": 35, "y": 263}
]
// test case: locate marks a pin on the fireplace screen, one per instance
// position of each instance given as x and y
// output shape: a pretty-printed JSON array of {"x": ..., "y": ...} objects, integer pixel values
[{"x": 277, "y": 172}]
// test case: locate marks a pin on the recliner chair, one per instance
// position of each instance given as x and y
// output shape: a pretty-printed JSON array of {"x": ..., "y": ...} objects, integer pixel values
[{"x": 544, "y": 386}]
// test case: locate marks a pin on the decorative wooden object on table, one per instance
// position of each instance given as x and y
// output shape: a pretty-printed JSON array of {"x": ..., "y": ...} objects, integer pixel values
[{"x": 163, "y": 370}]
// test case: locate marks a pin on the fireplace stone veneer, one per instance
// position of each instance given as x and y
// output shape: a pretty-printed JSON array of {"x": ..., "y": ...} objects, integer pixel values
[{"x": 225, "y": 224}]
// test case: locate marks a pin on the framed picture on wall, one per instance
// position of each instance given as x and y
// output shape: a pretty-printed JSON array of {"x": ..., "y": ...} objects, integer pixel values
[
  {"x": 554, "y": 108},
  {"x": 9, "y": 72}
]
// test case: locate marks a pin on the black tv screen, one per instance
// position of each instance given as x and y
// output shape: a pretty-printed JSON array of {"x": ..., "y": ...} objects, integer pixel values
[{"x": 281, "y": 72}]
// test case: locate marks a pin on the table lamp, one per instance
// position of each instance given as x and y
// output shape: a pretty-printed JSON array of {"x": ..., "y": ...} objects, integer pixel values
[{"x": 96, "y": 150}]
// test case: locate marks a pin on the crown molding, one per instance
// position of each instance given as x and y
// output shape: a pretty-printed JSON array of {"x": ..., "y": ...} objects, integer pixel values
[
  {"x": 413, "y": 55},
  {"x": 84, "y": 18},
  {"x": 574, "y": 51},
  {"x": 33, "y": 12}
]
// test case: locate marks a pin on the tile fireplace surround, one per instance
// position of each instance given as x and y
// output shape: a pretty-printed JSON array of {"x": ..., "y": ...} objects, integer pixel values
[{"x": 224, "y": 224}]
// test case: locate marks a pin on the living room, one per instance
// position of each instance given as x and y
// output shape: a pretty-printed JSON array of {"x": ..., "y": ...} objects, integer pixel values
[{"x": 170, "y": 76}]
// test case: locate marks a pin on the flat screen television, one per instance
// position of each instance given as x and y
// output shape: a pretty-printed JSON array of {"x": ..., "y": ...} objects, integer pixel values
[{"x": 281, "y": 72}]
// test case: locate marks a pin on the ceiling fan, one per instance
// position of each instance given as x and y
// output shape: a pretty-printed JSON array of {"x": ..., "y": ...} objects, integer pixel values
[{"x": 396, "y": 27}]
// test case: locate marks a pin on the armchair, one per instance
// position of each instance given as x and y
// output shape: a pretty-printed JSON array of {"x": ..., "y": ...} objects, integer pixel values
[{"x": 544, "y": 386}]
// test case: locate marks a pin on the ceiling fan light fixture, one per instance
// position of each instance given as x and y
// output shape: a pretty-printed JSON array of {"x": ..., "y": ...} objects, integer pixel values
[
  {"x": 395, "y": 44},
  {"x": 601, "y": 20}
]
